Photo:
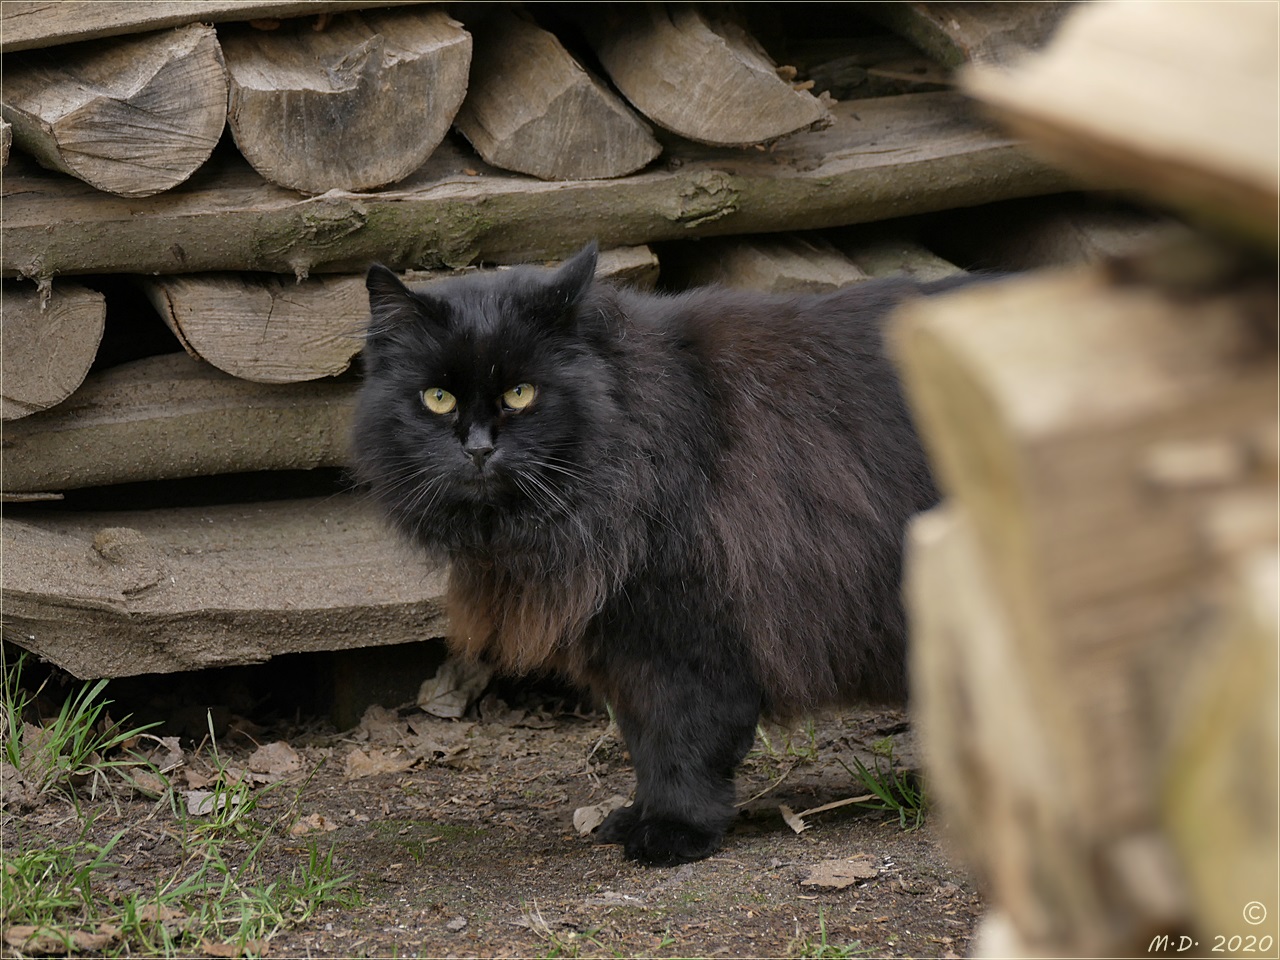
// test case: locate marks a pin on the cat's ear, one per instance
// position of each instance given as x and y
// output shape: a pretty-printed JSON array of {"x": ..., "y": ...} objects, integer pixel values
[
  {"x": 572, "y": 278},
  {"x": 392, "y": 304}
]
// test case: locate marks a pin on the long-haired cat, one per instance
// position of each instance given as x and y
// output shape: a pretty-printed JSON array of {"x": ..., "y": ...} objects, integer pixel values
[{"x": 692, "y": 504}]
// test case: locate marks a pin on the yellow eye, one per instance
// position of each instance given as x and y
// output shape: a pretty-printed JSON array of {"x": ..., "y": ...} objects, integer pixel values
[
  {"x": 519, "y": 396},
  {"x": 437, "y": 400}
]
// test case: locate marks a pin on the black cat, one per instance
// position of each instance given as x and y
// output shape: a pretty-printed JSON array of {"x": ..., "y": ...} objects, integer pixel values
[{"x": 693, "y": 504}]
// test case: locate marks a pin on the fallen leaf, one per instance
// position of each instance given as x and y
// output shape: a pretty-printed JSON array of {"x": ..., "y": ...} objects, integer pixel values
[
  {"x": 212, "y": 949},
  {"x": 361, "y": 764},
  {"x": 838, "y": 874},
  {"x": 456, "y": 924},
  {"x": 276, "y": 760},
  {"x": 201, "y": 803},
  {"x": 39, "y": 940},
  {"x": 586, "y": 819},
  {"x": 159, "y": 913},
  {"x": 312, "y": 823},
  {"x": 794, "y": 822},
  {"x": 454, "y": 687}
]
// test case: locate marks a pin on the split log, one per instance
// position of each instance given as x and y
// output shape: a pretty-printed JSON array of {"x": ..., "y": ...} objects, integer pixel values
[
  {"x": 357, "y": 105},
  {"x": 1058, "y": 410},
  {"x": 954, "y": 34},
  {"x": 6, "y": 141},
  {"x": 890, "y": 257},
  {"x": 47, "y": 344},
  {"x": 172, "y": 416},
  {"x": 1220, "y": 792},
  {"x": 271, "y": 329},
  {"x": 27, "y": 24},
  {"x": 697, "y": 72},
  {"x": 930, "y": 155},
  {"x": 156, "y": 591},
  {"x": 1112, "y": 99},
  {"x": 133, "y": 117},
  {"x": 785, "y": 264},
  {"x": 533, "y": 109}
]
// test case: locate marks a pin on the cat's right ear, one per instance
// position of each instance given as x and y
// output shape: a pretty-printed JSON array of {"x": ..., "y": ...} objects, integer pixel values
[{"x": 393, "y": 305}]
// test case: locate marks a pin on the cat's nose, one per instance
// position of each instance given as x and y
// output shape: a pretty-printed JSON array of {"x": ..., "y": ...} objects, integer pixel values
[{"x": 478, "y": 446}]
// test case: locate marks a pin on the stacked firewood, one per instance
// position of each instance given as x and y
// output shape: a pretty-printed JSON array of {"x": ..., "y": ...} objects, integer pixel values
[
  {"x": 356, "y": 132},
  {"x": 1095, "y": 606}
]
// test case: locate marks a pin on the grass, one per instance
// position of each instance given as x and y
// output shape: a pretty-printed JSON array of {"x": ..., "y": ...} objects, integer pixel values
[
  {"x": 806, "y": 948},
  {"x": 895, "y": 791},
  {"x": 215, "y": 887}
]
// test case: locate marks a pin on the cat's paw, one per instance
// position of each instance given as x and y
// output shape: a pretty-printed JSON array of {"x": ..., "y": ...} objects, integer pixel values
[
  {"x": 662, "y": 843},
  {"x": 617, "y": 826}
]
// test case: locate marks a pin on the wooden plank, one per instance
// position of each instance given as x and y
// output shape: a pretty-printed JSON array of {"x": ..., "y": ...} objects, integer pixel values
[
  {"x": 155, "y": 591},
  {"x": 533, "y": 109},
  {"x": 271, "y": 329},
  {"x": 365, "y": 100},
  {"x": 48, "y": 340},
  {"x": 697, "y": 72},
  {"x": 985, "y": 32},
  {"x": 133, "y": 117},
  {"x": 930, "y": 154},
  {"x": 781, "y": 264},
  {"x": 173, "y": 416},
  {"x": 28, "y": 24},
  {"x": 1112, "y": 98}
]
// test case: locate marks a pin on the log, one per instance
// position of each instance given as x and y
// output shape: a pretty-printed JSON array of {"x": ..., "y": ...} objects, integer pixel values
[
  {"x": 857, "y": 68},
  {"x": 28, "y": 24},
  {"x": 1112, "y": 99},
  {"x": 955, "y": 34},
  {"x": 698, "y": 73},
  {"x": 156, "y": 591},
  {"x": 47, "y": 344},
  {"x": 270, "y": 329},
  {"x": 784, "y": 264},
  {"x": 533, "y": 109},
  {"x": 1058, "y": 411},
  {"x": 930, "y": 155},
  {"x": 357, "y": 105},
  {"x": 6, "y": 141},
  {"x": 1220, "y": 790},
  {"x": 172, "y": 416},
  {"x": 890, "y": 256},
  {"x": 132, "y": 117}
]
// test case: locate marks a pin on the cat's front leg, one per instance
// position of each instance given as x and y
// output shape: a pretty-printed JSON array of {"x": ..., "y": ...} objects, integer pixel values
[{"x": 687, "y": 726}]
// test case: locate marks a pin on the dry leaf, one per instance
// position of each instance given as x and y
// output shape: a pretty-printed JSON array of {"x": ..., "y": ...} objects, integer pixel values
[
  {"x": 361, "y": 764},
  {"x": 276, "y": 760},
  {"x": 838, "y": 874},
  {"x": 794, "y": 822},
  {"x": 25, "y": 938},
  {"x": 586, "y": 819},
  {"x": 312, "y": 823},
  {"x": 201, "y": 803},
  {"x": 454, "y": 687},
  {"x": 212, "y": 949}
]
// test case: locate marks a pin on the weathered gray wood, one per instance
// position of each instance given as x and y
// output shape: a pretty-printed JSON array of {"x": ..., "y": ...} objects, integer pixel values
[
  {"x": 930, "y": 155},
  {"x": 173, "y": 416},
  {"x": 1112, "y": 100},
  {"x": 46, "y": 348},
  {"x": 782, "y": 264},
  {"x": 155, "y": 591},
  {"x": 357, "y": 105},
  {"x": 533, "y": 109},
  {"x": 697, "y": 72},
  {"x": 6, "y": 140},
  {"x": 273, "y": 329},
  {"x": 27, "y": 24},
  {"x": 956, "y": 33},
  {"x": 889, "y": 257},
  {"x": 133, "y": 117},
  {"x": 856, "y": 68}
]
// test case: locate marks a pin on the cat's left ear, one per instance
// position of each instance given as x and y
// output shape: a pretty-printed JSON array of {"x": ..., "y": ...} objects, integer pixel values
[{"x": 573, "y": 277}]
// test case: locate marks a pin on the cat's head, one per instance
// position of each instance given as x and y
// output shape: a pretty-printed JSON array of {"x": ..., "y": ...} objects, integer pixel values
[{"x": 483, "y": 392}]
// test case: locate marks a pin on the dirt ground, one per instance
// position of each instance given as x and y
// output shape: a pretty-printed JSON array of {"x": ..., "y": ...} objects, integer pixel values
[{"x": 459, "y": 839}]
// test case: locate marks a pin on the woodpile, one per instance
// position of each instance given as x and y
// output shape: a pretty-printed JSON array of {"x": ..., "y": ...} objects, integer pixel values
[
  {"x": 1094, "y": 607},
  {"x": 233, "y": 299}
]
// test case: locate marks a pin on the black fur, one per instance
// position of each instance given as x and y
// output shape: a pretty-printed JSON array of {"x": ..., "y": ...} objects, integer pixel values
[{"x": 700, "y": 516}]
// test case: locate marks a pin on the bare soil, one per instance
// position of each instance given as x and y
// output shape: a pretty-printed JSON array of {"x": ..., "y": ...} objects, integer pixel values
[{"x": 459, "y": 840}]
